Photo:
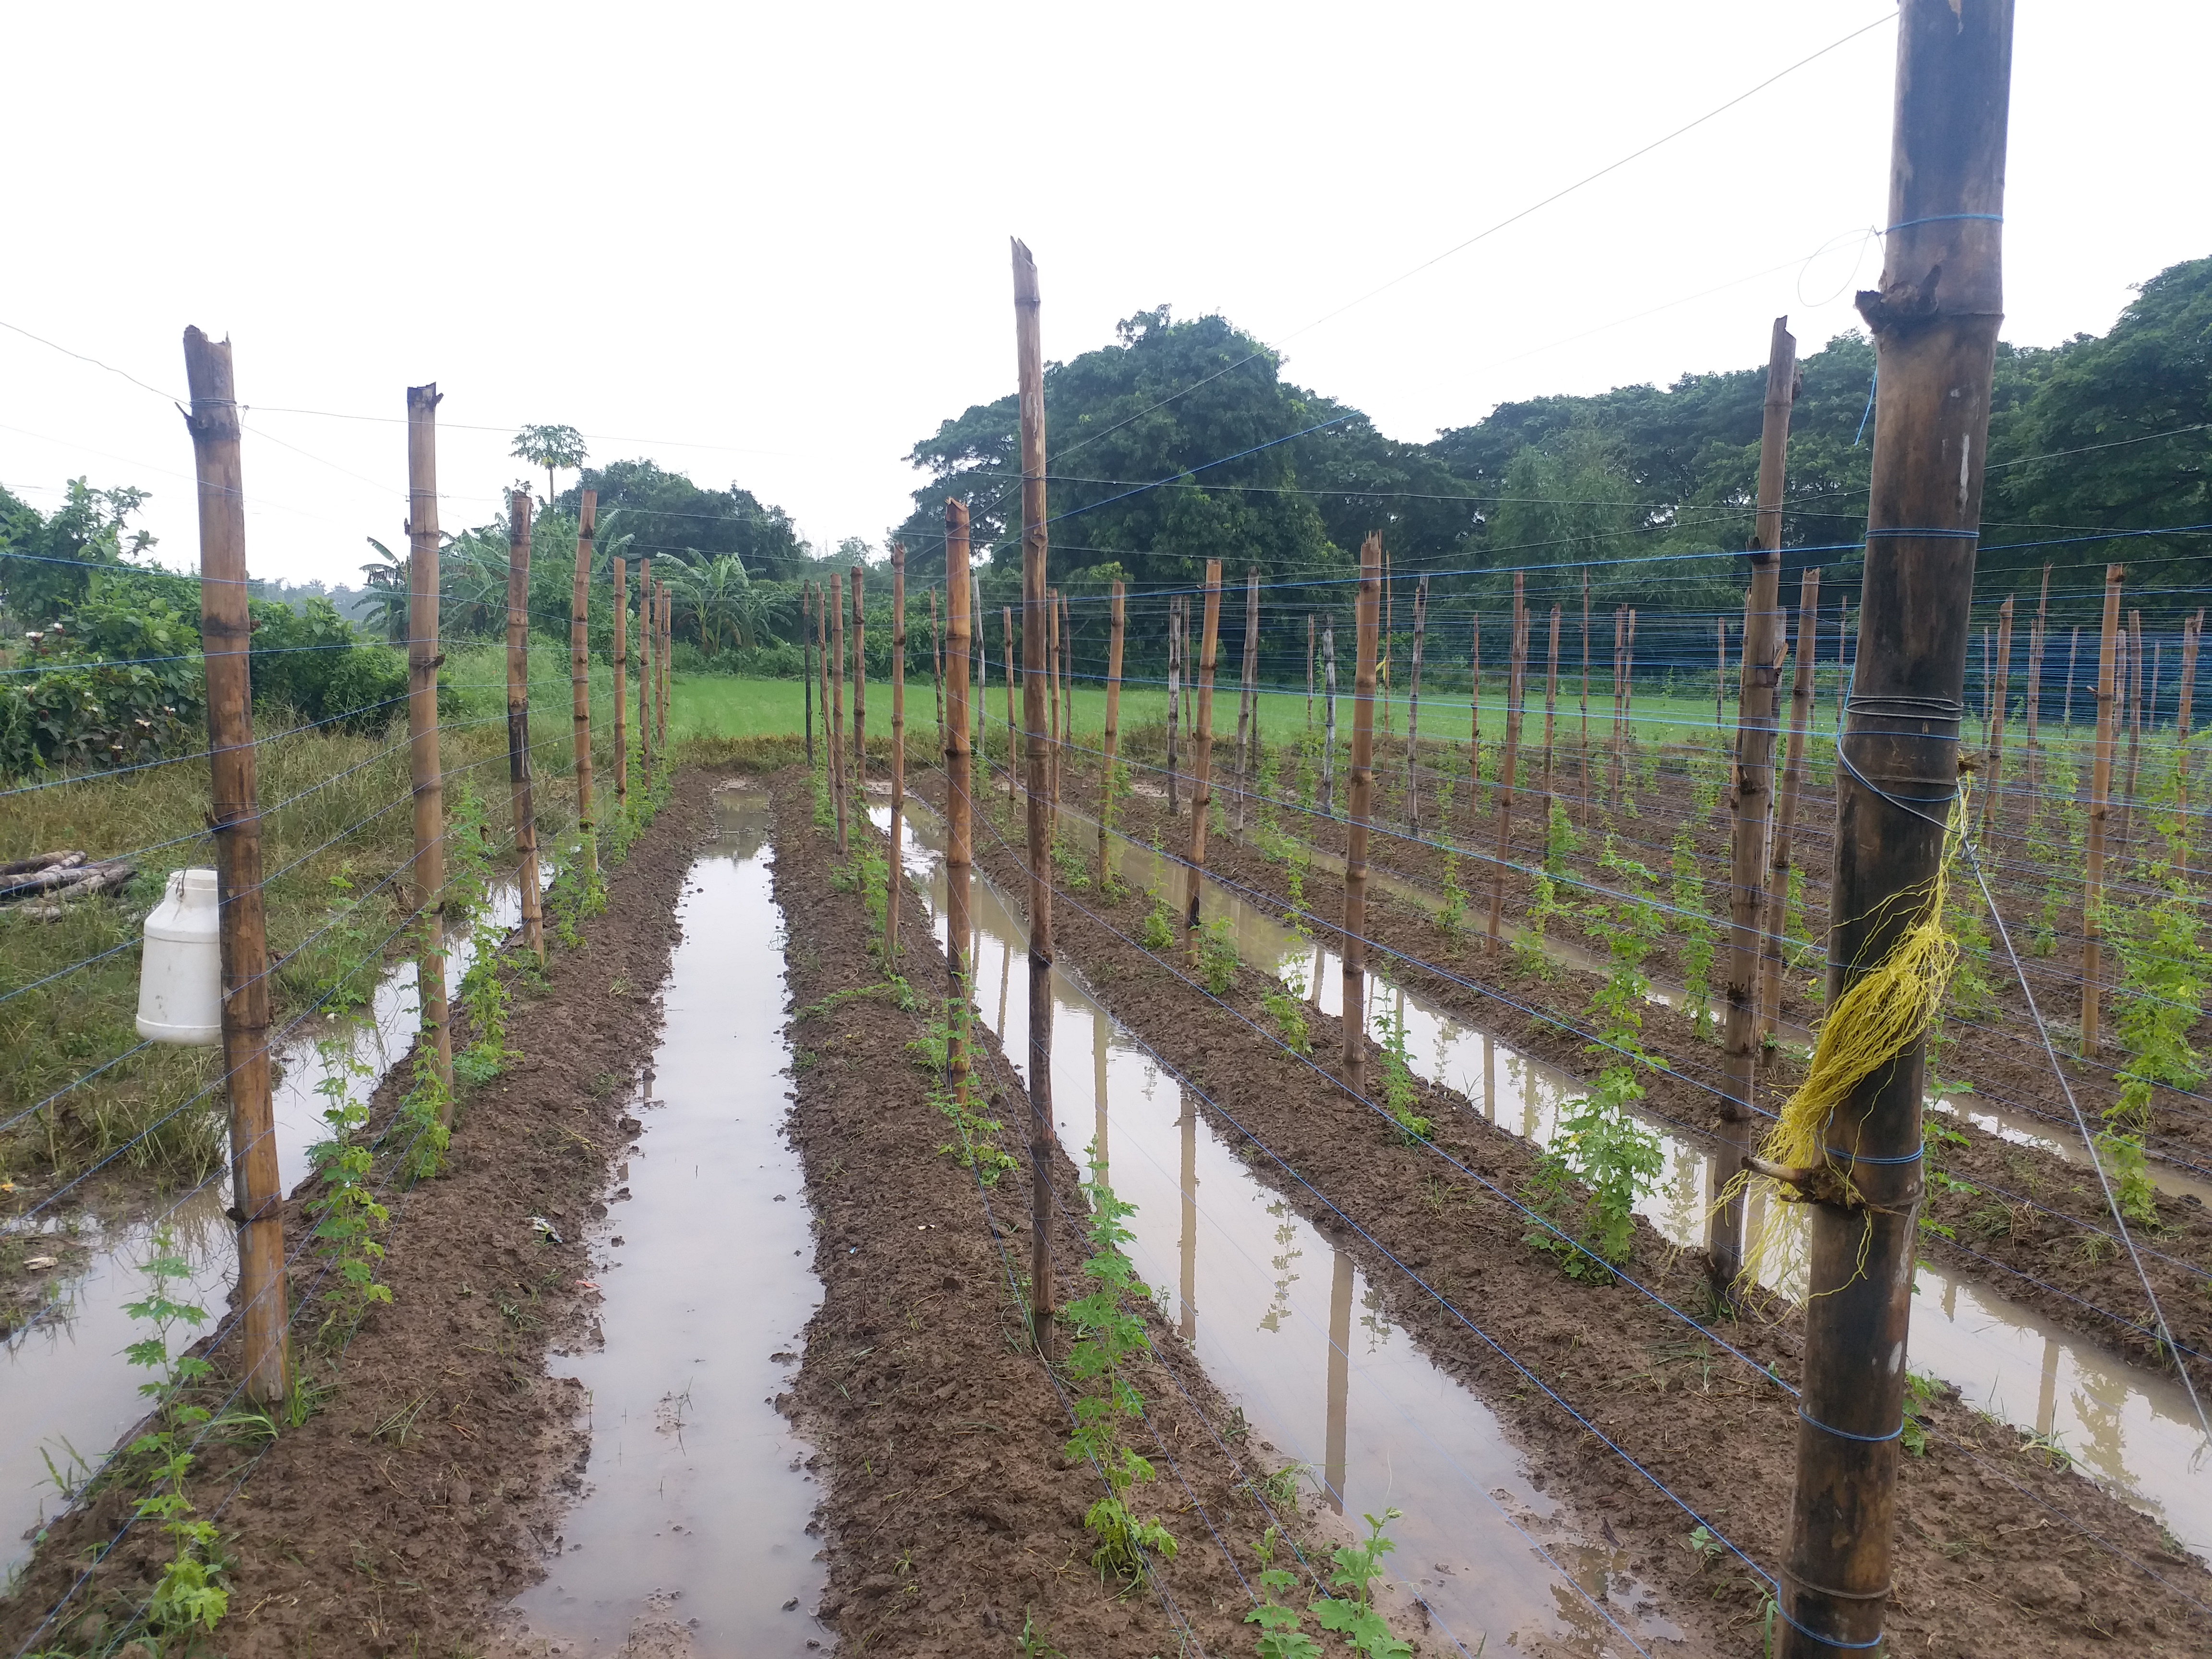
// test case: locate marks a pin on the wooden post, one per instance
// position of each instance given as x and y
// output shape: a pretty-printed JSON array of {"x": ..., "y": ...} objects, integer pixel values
[
  {"x": 2035, "y": 640},
  {"x": 959, "y": 780},
  {"x": 1037, "y": 627},
  {"x": 226, "y": 631},
  {"x": 936, "y": 660},
  {"x": 622, "y": 688},
  {"x": 1551, "y": 710},
  {"x": 806, "y": 649},
  {"x": 1842, "y": 662},
  {"x": 1067, "y": 637},
  {"x": 1052, "y": 707},
  {"x": 1720, "y": 671},
  {"x": 1516, "y": 664},
  {"x": 1414, "y": 710},
  {"x": 2134, "y": 715},
  {"x": 836, "y": 596},
  {"x": 424, "y": 658},
  {"x": 2191, "y": 631},
  {"x": 1309, "y": 669},
  {"x": 1935, "y": 322},
  {"x": 580, "y": 675},
  {"x": 667, "y": 661},
  {"x": 982, "y": 697},
  {"x": 1007, "y": 617},
  {"x": 646, "y": 674},
  {"x": 1584, "y": 815},
  {"x": 1628, "y": 693},
  {"x": 1751, "y": 795},
  {"x": 1390, "y": 638},
  {"x": 893, "y": 878},
  {"x": 1362, "y": 791},
  {"x": 1772, "y": 944},
  {"x": 1116, "y": 625},
  {"x": 1174, "y": 692},
  {"x": 1248, "y": 692},
  {"x": 2073, "y": 655},
  {"x": 518, "y": 721},
  {"x": 1201, "y": 753},
  {"x": 860, "y": 699},
  {"x": 1328, "y": 717},
  {"x": 1474, "y": 717},
  {"x": 2000, "y": 693},
  {"x": 1619, "y": 640}
]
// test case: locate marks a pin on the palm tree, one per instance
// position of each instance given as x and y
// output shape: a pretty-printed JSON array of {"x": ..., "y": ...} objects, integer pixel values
[
  {"x": 550, "y": 447},
  {"x": 385, "y": 584}
]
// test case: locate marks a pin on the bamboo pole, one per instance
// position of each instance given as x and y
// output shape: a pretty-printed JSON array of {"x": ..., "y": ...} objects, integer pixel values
[
  {"x": 1328, "y": 717},
  {"x": 1201, "y": 754},
  {"x": 1052, "y": 707},
  {"x": 1116, "y": 625},
  {"x": 1414, "y": 710},
  {"x": 1389, "y": 641},
  {"x": 1720, "y": 671},
  {"x": 666, "y": 663},
  {"x": 1628, "y": 693},
  {"x": 424, "y": 658},
  {"x": 646, "y": 673},
  {"x": 1361, "y": 790},
  {"x": 2100, "y": 806},
  {"x": 1247, "y": 691},
  {"x": 2073, "y": 655},
  {"x": 1619, "y": 641},
  {"x": 981, "y": 699},
  {"x": 1785, "y": 813},
  {"x": 806, "y": 648},
  {"x": 1583, "y": 816},
  {"x": 860, "y": 699},
  {"x": 1474, "y": 720},
  {"x": 2035, "y": 644},
  {"x": 226, "y": 631},
  {"x": 580, "y": 675},
  {"x": 2135, "y": 692},
  {"x": 936, "y": 659},
  {"x": 518, "y": 722},
  {"x": 1934, "y": 319},
  {"x": 2191, "y": 631},
  {"x": 1309, "y": 669},
  {"x": 1007, "y": 617},
  {"x": 1515, "y": 666},
  {"x": 1750, "y": 798},
  {"x": 1551, "y": 712},
  {"x": 1175, "y": 691},
  {"x": 1843, "y": 664},
  {"x": 1065, "y": 632},
  {"x": 834, "y": 595},
  {"x": 1036, "y": 627},
  {"x": 893, "y": 878},
  {"x": 959, "y": 923},
  {"x": 2000, "y": 696},
  {"x": 622, "y": 687}
]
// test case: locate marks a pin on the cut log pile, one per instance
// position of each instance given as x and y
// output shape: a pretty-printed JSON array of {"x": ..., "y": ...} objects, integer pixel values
[{"x": 55, "y": 878}]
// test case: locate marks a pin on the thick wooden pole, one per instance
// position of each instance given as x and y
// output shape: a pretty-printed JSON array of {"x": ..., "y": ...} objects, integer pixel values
[
  {"x": 893, "y": 880},
  {"x": 580, "y": 674},
  {"x": 1551, "y": 712},
  {"x": 1201, "y": 754},
  {"x": 1516, "y": 667},
  {"x": 1174, "y": 696},
  {"x": 2133, "y": 685},
  {"x": 226, "y": 632},
  {"x": 859, "y": 697},
  {"x": 518, "y": 721},
  {"x": 1935, "y": 324},
  {"x": 1328, "y": 717},
  {"x": 1361, "y": 790},
  {"x": 959, "y": 776},
  {"x": 1414, "y": 710},
  {"x": 936, "y": 659},
  {"x": 835, "y": 595},
  {"x": 2000, "y": 696},
  {"x": 1752, "y": 794},
  {"x": 667, "y": 661},
  {"x": 622, "y": 687},
  {"x": 1036, "y": 630},
  {"x": 1771, "y": 944},
  {"x": 1248, "y": 691},
  {"x": 647, "y": 675},
  {"x": 1117, "y": 627},
  {"x": 806, "y": 652},
  {"x": 424, "y": 658}
]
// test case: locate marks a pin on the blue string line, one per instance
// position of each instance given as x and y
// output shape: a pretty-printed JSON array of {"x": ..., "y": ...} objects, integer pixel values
[{"x": 1805, "y": 1416}]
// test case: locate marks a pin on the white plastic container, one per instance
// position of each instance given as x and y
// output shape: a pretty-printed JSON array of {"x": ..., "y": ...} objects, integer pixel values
[{"x": 180, "y": 974}]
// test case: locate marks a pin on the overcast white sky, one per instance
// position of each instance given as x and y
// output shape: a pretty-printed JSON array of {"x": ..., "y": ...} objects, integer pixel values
[{"x": 767, "y": 245}]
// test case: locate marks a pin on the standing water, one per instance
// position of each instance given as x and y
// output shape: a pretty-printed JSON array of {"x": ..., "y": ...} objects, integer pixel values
[{"x": 692, "y": 1525}]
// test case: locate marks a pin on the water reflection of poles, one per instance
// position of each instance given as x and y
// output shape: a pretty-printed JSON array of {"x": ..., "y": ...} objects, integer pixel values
[
  {"x": 1188, "y": 1329},
  {"x": 2046, "y": 1401},
  {"x": 1339, "y": 1380},
  {"x": 1489, "y": 1079},
  {"x": 1098, "y": 1033}
]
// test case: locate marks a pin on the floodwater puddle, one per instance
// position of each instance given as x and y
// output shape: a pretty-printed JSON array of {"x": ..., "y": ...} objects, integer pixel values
[
  {"x": 70, "y": 1395},
  {"x": 692, "y": 1529},
  {"x": 2130, "y": 1429},
  {"x": 1299, "y": 1338}
]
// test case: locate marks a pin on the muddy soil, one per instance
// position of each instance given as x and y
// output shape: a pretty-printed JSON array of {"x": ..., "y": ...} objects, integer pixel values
[
  {"x": 2029, "y": 1223},
  {"x": 952, "y": 1514},
  {"x": 427, "y": 1485},
  {"x": 1996, "y": 1551}
]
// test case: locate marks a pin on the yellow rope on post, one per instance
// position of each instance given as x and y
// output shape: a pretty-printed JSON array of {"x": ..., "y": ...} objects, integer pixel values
[{"x": 1881, "y": 1015}]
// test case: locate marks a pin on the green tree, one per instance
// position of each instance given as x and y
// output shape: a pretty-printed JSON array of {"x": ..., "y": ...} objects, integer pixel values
[
  {"x": 46, "y": 561},
  {"x": 550, "y": 447}
]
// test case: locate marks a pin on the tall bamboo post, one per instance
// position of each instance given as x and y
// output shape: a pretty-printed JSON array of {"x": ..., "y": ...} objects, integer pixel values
[
  {"x": 1516, "y": 666},
  {"x": 1414, "y": 710},
  {"x": 1752, "y": 794},
  {"x": 1328, "y": 717},
  {"x": 1785, "y": 813},
  {"x": 1628, "y": 693},
  {"x": 1720, "y": 671},
  {"x": 806, "y": 652},
  {"x": 2073, "y": 656},
  {"x": 1036, "y": 626},
  {"x": 518, "y": 722},
  {"x": 667, "y": 663},
  {"x": 226, "y": 632},
  {"x": 1389, "y": 641},
  {"x": 1583, "y": 816},
  {"x": 1551, "y": 712},
  {"x": 1842, "y": 661},
  {"x": 1361, "y": 791},
  {"x": 834, "y": 594},
  {"x": 1935, "y": 323},
  {"x": 1067, "y": 634},
  {"x": 1052, "y": 706},
  {"x": 2000, "y": 694},
  {"x": 1201, "y": 753},
  {"x": 647, "y": 675},
  {"x": 622, "y": 687},
  {"x": 1007, "y": 617},
  {"x": 982, "y": 697},
  {"x": 424, "y": 658},
  {"x": 1309, "y": 669},
  {"x": 2100, "y": 806},
  {"x": 2192, "y": 632},
  {"x": 936, "y": 659},
  {"x": 1248, "y": 689},
  {"x": 1116, "y": 624},
  {"x": 2035, "y": 644},
  {"x": 821, "y": 695},
  {"x": 2135, "y": 690},
  {"x": 959, "y": 780},
  {"x": 1175, "y": 690},
  {"x": 1620, "y": 647},
  {"x": 1474, "y": 719},
  {"x": 580, "y": 675},
  {"x": 859, "y": 697},
  {"x": 893, "y": 880}
]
